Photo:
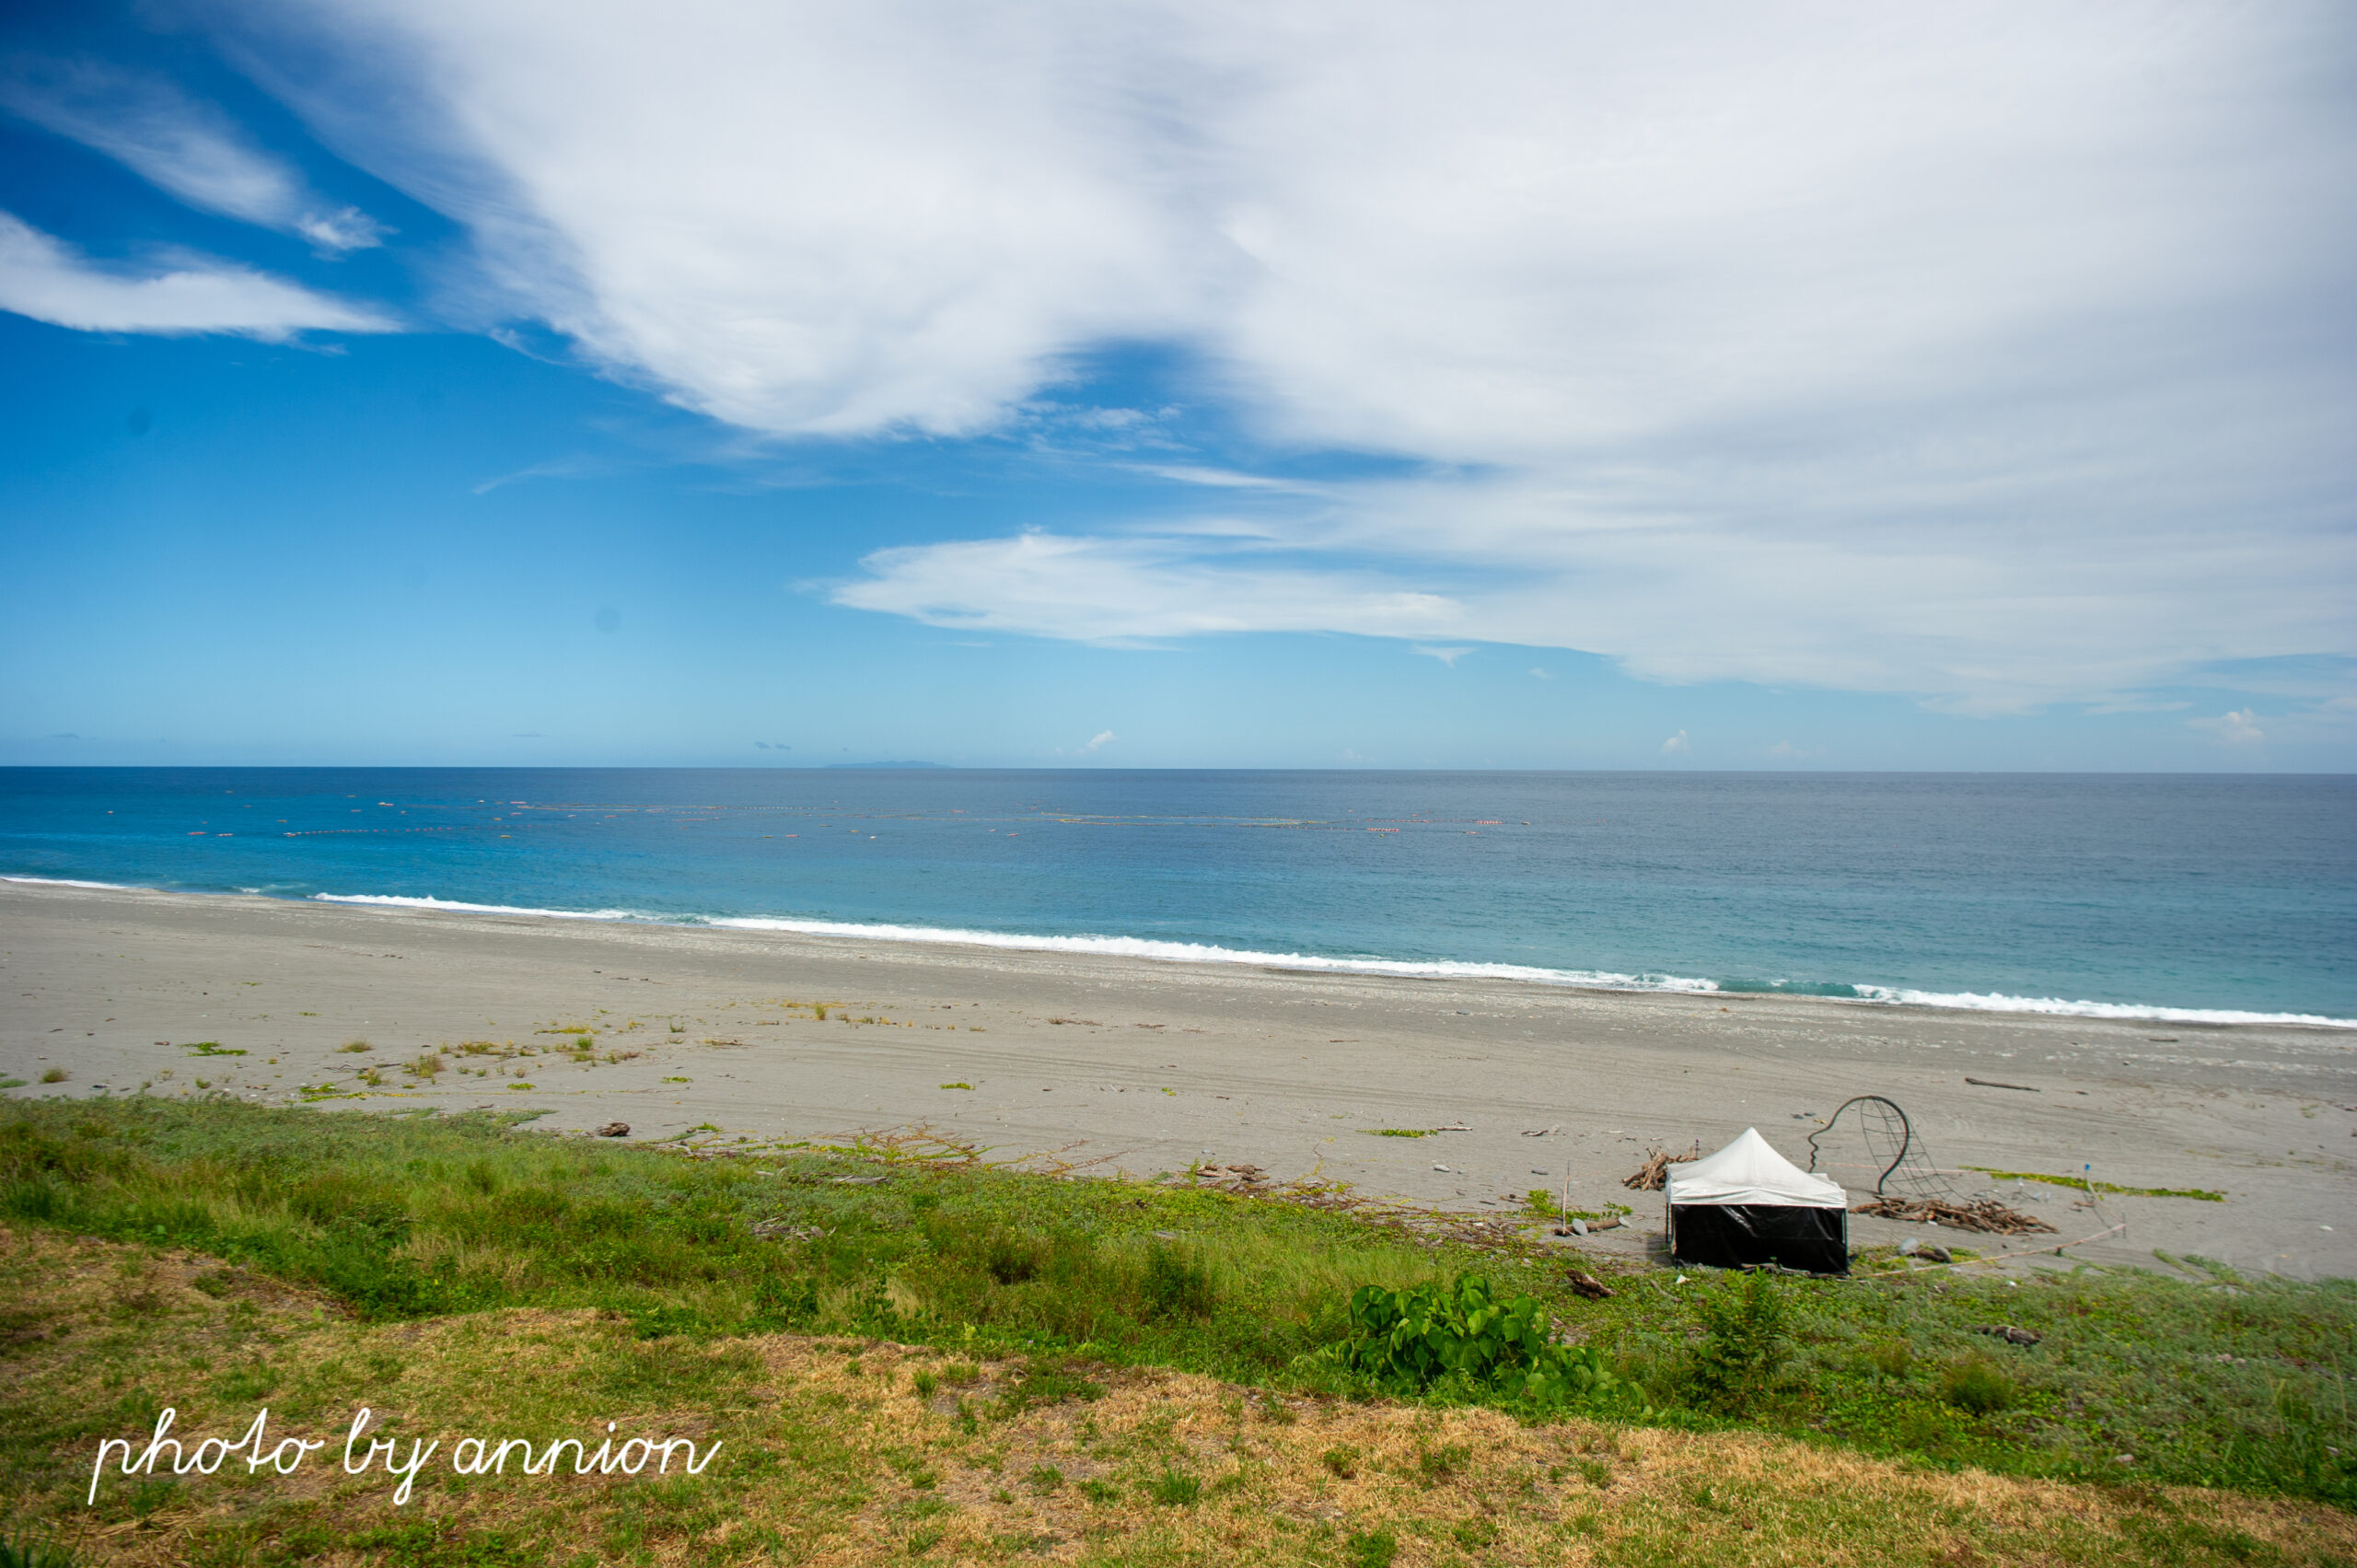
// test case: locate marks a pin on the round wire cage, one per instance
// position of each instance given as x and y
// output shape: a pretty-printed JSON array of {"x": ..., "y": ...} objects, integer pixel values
[{"x": 1893, "y": 1150}]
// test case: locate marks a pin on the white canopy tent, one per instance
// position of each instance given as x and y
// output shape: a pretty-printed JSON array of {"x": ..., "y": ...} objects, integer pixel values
[
  {"x": 1747, "y": 1204},
  {"x": 1750, "y": 1171}
]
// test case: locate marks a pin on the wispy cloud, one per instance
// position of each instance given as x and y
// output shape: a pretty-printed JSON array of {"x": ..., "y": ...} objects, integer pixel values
[
  {"x": 1098, "y": 741},
  {"x": 2237, "y": 726},
  {"x": 187, "y": 147},
  {"x": 44, "y": 279},
  {"x": 1930, "y": 359},
  {"x": 1447, "y": 655},
  {"x": 1126, "y": 590},
  {"x": 1678, "y": 746}
]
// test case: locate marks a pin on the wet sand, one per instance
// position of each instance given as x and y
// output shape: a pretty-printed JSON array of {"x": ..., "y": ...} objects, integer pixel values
[{"x": 1145, "y": 1067}]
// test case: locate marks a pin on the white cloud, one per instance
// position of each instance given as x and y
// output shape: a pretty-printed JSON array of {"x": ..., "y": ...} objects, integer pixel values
[
  {"x": 189, "y": 148},
  {"x": 1447, "y": 655},
  {"x": 2237, "y": 727},
  {"x": 1098, "y": 740},
  {"x": 1125, "y": 590},
  {"x": 43, "y": 279},
  {"x": 1786, "y": 749},
  {"x": 1540, "y": 674},
  {"x": 1993, "y": 355},
  {"x": 1678, "y": 746}
]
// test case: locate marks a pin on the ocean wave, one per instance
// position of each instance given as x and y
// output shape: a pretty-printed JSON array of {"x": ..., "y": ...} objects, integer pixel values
[
  {"x": 1997, "y": 1002},
  {"x": 71, "y": 882},
  {"x": 454, "y": 906},
  {"x": 1209, "y": 953},
  {"x": 1206, "y": 953}
]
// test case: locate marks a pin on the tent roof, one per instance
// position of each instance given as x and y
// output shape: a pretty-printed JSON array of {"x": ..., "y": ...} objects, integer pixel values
[{"x": 1749, "y": 1171}]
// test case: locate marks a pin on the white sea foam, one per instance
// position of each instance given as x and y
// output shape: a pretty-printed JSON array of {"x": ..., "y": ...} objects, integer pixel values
[
  {"x": 453, "y": 906},
  {"x": 1207, "y": 953},
  {"x": 69, "y": 882},
  {"x": 1996, "y": 1002}
]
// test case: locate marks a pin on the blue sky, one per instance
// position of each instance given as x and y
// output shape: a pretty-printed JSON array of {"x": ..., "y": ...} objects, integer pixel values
[{"x": 1304, "y": 385}]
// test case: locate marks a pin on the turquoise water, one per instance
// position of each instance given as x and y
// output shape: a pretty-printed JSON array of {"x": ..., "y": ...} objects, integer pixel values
[{"x": 2168, "y": 896}]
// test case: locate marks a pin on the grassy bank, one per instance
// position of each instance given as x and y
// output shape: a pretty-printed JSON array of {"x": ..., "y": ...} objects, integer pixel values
[{"x": 306, "y": 1258}]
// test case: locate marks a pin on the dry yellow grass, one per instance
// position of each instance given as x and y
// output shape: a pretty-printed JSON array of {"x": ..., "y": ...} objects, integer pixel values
[{"x": 836, "y": 1452}]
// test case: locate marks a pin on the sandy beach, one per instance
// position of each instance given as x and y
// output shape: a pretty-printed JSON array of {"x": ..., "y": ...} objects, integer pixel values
[{"x": 1142, "y": 1067}]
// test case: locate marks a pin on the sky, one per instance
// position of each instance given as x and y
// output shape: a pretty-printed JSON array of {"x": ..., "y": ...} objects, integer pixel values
[{"x": 1288, "y": 383}]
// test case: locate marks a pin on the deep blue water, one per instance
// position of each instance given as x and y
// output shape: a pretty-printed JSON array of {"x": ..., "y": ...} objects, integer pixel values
[{"x": 2232, "y": 895}]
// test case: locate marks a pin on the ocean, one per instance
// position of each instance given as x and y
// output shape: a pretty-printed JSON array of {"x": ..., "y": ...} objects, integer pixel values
[{"x": 2191, "y": 899}]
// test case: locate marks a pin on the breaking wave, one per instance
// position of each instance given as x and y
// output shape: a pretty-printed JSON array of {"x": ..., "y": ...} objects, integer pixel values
[{"x": 1209, "y": 953}]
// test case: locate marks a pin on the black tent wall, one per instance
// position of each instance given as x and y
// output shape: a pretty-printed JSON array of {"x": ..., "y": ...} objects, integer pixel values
[{"x": 1729, "y": 1235}]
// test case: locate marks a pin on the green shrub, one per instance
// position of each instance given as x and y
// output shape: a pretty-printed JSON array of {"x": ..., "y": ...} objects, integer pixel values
[
  {"x": 1011, "y": 1256},
  {"x": 1977, "y": 1384},
  {"x": 1375, "y": 1548},
  {"x": 1744, "y": 1340},
  {"x": 1175, "y": 1286},
  {"x": 1457, "y": 1338}
]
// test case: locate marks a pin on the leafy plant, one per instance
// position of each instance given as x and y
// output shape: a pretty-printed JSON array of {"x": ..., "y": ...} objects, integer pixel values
[
  {"x": 54, "y": 1075},
  {"x": 1177, "y": 1286},
  {"x": 1458, "y": 1338},
  {"x": 1744, "y": 1340},
  {"x": 1977, "y": 1384}
]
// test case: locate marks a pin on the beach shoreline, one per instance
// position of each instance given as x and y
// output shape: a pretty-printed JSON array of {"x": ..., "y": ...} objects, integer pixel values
[{"x": 1140, "y": 1066}]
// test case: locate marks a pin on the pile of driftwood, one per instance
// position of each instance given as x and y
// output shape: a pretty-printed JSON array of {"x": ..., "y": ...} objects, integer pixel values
[
  {"x": 1654, "y": 1174},
  {"x": 1978, "y": 1214}
]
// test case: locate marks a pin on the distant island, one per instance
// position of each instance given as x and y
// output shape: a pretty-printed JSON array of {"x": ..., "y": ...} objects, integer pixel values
[{"x": 887, "y": 764}]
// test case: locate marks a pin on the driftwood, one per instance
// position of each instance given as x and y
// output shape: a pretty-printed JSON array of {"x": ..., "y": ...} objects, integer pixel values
[
  {"x": 1587, "y": 1284},
  {"x": 2008, "y": 1333},
  {"x": 1654, "y": 1174},
  {"x": 1979, "y": 1213},
  {"x": 614, "y": 1129}
]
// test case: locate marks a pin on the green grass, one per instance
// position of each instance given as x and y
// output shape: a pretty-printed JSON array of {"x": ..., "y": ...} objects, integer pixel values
[
  {"x": 2210, "y": 1379},
  {"x": 1400, "y": 1131},
  {"x": 2081, "y": 1183}
]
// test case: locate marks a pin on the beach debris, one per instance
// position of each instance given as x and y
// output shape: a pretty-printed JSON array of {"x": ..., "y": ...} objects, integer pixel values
[
  {"x": 781, "y": 1230},
  {"x": 2008, "y": 1333},
  {"x": 1654, "y": 1174},
  {"x": 1440, "y": 1168},
  {"x": 1586, "y": 1284},
  {"x": 1914, "y": 1246},
  {"x": 1979, "y": 1213},
  {"x": 1993, "y": 1083},
  {"x": 1542, "y": 1132},
  {"x": 614, "y": 1129},
  {"x": 1236, "y": 1176}
]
